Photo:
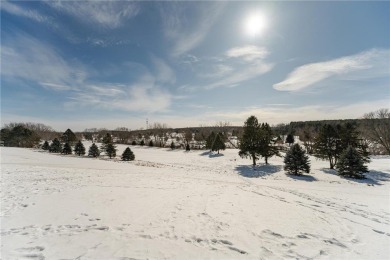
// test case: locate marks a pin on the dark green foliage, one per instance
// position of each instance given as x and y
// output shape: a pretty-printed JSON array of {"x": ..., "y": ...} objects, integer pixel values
[
  {"x": 151, "y": 143},
  {"x": 296, "y": 161},
  {"x": 128, "y": 155},
  {"x": 188, "y": 147},
  {"x": 55, "y": 146},
  {"x": 216, "y": 142},
  {"x": 267, "y": 146},
  {"x": 46, "y": 146},
  {"x": 69, "y": 137},
  {"x": 327, "y": 145},
  {"x": 79, "y": 149},
  {"x": 173, "y": 145},
  {"x": 107, "y": 139},
  {"x": 19, "y": 136},
  {"x": 111, "y": 150},
  {"x": 134, "y": 142},
  {"x": 351, "y": 164},
  {"x": 93, "y": 151},
  {"x": 290, "y": 139},
  {"x": 142, "y": 143},
  {"x": 67, "y": 149},
  {"x": 250, "y": 141},
  {"x": 332, "y": 140}
]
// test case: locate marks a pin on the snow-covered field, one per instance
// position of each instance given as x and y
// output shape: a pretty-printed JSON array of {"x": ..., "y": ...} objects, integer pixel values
[{"x": 179, "y": 205}]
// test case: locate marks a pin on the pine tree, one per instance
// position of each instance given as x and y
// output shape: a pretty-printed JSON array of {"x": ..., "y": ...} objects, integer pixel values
[
  {"x": 327, "y": 145},
  {"x": 250, "y": 141},
  {"x": 106, "y": 140},
  {"x": 296, "y": 161},
  {"x": 79, "y": 149},
  {"x": 93, "y": 150},
  {"x": 69, "y": 137},
  {"x": 267, "y": 147},
  {"x": 46, "y": 146},
  {"x": 128, "y": 155},
  {"x": 55, "y": 146},
  {"x": 290, "y": 139},
  {"x": 134, "y": 142},
  {"x": 215, "y": 142},
  {"x": 151, "y": 143},
  {"x": 173, "y": 145},
  {"x": 111, "y": 150},
  {"x": 142, "y": 143},
  {"x": 67, "y": 149},
  {"x": 351, "y": 164}
]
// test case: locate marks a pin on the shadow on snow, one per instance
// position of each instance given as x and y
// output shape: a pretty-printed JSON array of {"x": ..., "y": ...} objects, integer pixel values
[
  {"x": 257, "y": 171},
  {"x": 211, "y": 154},
  {"x": 303, "y": 177},
  {"x": 372, "y": 177}
]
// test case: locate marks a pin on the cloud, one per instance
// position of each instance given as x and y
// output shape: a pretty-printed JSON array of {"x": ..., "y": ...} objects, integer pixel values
[
  {"x": 248, "y": 53},
  {"x": 141, "y": 96},
  {"x": 20, "y": 11},
  {"x": 29, "y": 59},
  {"x": 164, "y": 73},
  {"x": 109, "y": 14},
  {"x": 367, "y": 64},
  {"x": 237, "y": 65},
  {"x": 186, "y": 34}
]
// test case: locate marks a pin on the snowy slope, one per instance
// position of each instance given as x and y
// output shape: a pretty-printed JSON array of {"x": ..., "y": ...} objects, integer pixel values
[{"x": 179, "y": 205}]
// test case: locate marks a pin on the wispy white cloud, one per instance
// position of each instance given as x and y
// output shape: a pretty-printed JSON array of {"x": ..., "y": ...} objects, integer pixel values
[
  {"x": 33, "y": 61},
  {"x": 367, "y": 64},
  {"x": 164, "y": 73},
  {"x": 141, "y": 96},
  {"x": 18, "y": 10},
  {"x": 110, "y": 14},
  {"x": 186, "y": 34},
  {"x": 248, "y": 53},
  {"x": 29, "y": 59},
  {"x": 237, "y": 65}
]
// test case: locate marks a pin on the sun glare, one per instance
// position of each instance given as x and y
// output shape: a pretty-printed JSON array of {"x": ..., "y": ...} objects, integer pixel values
[{"x": 255, "y": 24}]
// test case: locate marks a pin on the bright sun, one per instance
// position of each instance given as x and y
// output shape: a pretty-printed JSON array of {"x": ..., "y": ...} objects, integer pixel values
[{"x": 255, "y": 24}]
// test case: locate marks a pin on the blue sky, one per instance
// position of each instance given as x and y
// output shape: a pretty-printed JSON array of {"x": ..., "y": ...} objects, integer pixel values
[{"x": 80, "y": 64}]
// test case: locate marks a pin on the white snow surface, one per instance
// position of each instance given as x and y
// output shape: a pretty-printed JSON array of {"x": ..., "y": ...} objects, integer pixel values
[{"x": 188, "y": 205}]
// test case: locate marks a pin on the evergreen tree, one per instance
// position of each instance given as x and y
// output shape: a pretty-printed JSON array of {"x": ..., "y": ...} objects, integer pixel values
[
  {"x": 327, "y": 145},
  {"x": 173, "y": 145},
  {"x": 107, "y": 139},
  {"x": 134, "y": 142},
  {"x": 55, "y": 146},
  {"x": 79, "y": 149},
  {"x": 111, "y": 150},
  {"x": 67, "y": 149},
  {"x": 210, "y": 140},
  {"x": 250, "y": 141},
  {"x": 151, "y": 143},
  {"x": 128, "y": 155},
  {"x": 142, "y": 143},
  {"x": 215, "y": 142},
  {"x": 351, "y": 164},
  {"x": 19, "y": 136},
  {"x": 267, "y": 147},
  {"x": 69, "y": 137},
  {"x": 46, "y": 146},
  {"x": 93, "y": 151},
  {"x": 296, "y": 161},
  {"x": 290, "y": 139}
]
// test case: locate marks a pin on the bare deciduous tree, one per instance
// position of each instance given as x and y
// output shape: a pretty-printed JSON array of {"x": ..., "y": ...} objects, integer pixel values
[{"x": 376, "y": 127}]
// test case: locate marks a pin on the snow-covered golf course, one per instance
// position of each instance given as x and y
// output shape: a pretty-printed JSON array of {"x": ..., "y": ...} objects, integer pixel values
[{"x": 188, "y": 205}]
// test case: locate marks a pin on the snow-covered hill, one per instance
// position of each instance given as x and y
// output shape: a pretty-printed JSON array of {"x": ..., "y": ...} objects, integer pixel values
[{"x": 188, "y": 205}]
